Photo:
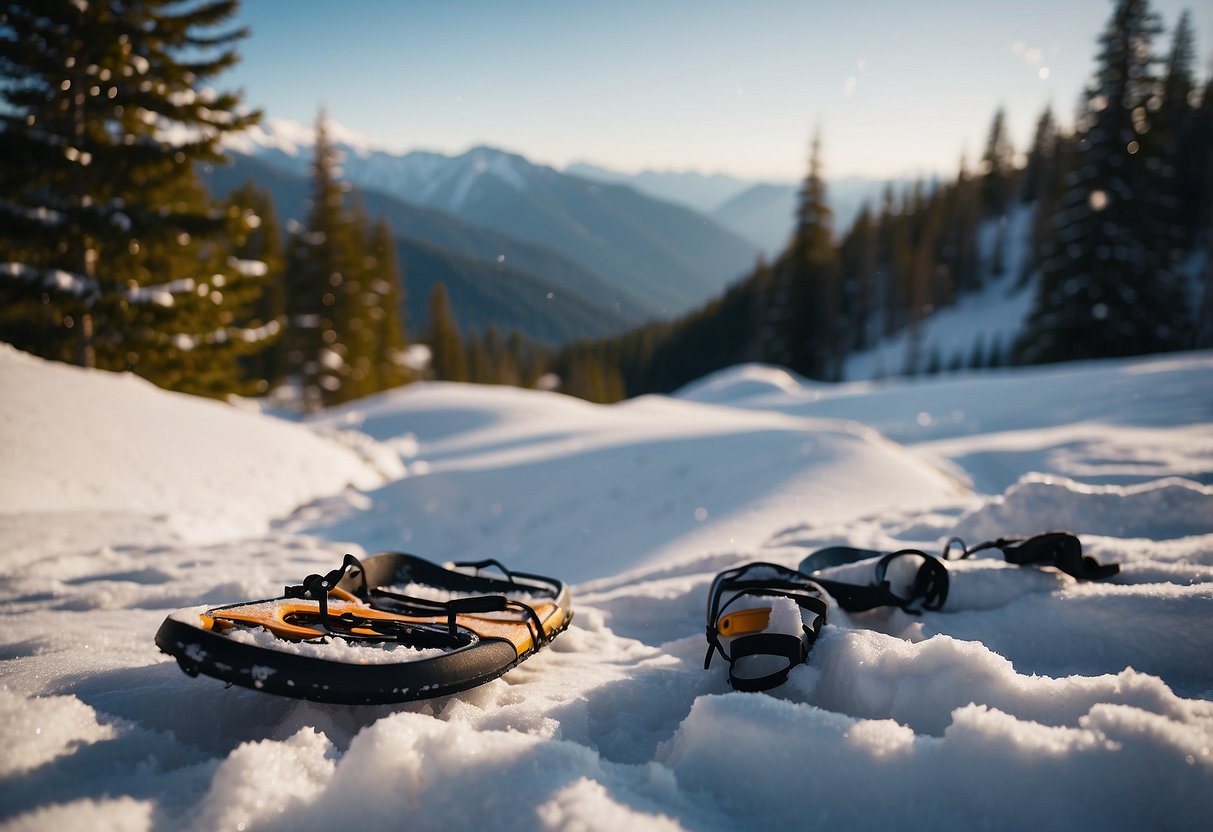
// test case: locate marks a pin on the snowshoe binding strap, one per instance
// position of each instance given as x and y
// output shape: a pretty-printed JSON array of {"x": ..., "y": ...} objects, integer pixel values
[
  {"x": 350, "y": 582},
  {"x": 746, "y": 628},
  {"x": 488, "y": 593},
  {"x": 930, "y": 586},
  {"x": 1060, "y": 549}
]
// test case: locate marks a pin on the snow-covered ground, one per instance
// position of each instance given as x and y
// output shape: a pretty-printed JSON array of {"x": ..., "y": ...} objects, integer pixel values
[{"x": 1030, "y": 701}]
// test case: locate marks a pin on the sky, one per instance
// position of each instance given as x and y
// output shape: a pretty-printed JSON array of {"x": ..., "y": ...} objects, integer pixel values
[{"x": 895, "y": 88}]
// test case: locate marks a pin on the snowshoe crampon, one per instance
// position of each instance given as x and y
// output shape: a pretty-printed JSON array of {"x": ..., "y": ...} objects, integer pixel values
[{"x": 392, "y": 627}]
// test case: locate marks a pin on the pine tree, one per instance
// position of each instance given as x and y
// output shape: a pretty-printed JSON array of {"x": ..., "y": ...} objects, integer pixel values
[
  {"x": 997, "y": 168},
  {"x": 387, "y": 310},
  {"x": 998, "y": 187},
  {"x": 1179, "y": 134},
  {"x": 318, "y": 259},
  {"x": 110, "y": 253},
  {"x": 357, "y": 306},
  {"x": 1038, "y": 169},
  {"x": 921, "y": 275},
  {"x": 977, "y": 356},
  {"x": 1108, "y": 287},
  {"x": 897, "y": 246},
  {"x": 261, "y": 240},
  {"x": 812, "y": 332},
  {"x": 447, "y": 359},
  {"x": 964, "y": 266},
  {"x": 1040, "y": 184},
  {"x": 857, "y": 256}
]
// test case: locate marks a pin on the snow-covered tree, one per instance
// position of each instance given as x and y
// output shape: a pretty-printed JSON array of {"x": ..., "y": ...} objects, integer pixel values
[
  {"x": 110, "y": 253},
  {"x": 1108, "y": 287},
  {"x": 316, "y": 261},
  {"x": 345, "y": 338}
]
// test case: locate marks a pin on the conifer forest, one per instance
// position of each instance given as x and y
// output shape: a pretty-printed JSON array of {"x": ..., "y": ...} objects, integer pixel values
[{"x": 114, "y": 255}]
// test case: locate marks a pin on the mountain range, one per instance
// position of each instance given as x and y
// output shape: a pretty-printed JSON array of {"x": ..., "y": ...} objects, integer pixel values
[
  {"x": 761, "y": 212},
  {"x": 490, "y": 277},
  {"x": 558, "y": 255},
  {"x": 663, "y": 257}
]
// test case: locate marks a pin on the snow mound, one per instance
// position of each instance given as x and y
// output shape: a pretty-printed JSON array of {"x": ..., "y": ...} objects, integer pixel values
[
  {"x": 737, "y": 384},
  {"x": 1166, "y": 508},
  {"x": 892, "y": 778},
  {"x": 81, "y": 441},
  {"x": 538, "y": 478}
]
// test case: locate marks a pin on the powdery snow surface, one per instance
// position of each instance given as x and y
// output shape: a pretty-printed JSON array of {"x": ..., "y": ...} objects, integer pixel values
[{"x": 1030, "y": 701}]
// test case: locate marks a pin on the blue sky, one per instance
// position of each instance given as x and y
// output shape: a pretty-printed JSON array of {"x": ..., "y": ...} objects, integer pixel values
[{"x": 895, "y": 87}]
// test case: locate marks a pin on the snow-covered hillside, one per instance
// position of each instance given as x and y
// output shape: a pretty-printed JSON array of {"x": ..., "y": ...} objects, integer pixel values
[{"x": 1030, "y": 701}]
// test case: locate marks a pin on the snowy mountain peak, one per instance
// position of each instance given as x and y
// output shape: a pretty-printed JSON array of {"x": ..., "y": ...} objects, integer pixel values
[
  {"x": 510, "y": 168},
  {"x": 297, "y": 140},
  {"x": 428, "y": 177}
]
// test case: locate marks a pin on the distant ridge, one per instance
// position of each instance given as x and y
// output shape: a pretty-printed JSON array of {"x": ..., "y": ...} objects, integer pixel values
[
  {"x": 667, "y": 257},
  {"x": 489, "y": 277}
]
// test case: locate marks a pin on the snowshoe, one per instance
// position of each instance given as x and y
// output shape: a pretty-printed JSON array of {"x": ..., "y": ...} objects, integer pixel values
[
  {"x": 1060, "y": 549},
  {"x": 391, "y": 628},
  {"x": 929, "y": 587},
  {"x": 763, "y": 620},
  {"x": 930, "y": 584}
]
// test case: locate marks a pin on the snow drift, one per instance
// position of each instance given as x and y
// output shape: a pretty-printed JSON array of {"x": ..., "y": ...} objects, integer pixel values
[{"x": 1030, "y": 700}]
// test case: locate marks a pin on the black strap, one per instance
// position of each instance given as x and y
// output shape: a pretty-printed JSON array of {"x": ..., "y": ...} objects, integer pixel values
[
  {"x": 317, "y": 587},
  {"x": 930, "y": 581},
  {"x": 759, "y": 580},
  {"x": 1060, "y": 549},
  {"x": 789, "y": 647}
]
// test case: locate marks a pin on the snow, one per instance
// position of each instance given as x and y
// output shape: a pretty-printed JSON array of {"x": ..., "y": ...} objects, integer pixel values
[
  {"x": 78, "y": 444},
  {"x": 1030, "y": 701},
  {"x": 295, "y": 139},
  {"x": 995, "y": 314},
  {"x": 75, "y": 284}
]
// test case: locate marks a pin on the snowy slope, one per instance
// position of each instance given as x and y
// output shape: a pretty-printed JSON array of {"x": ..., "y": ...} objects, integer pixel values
[
  {"x": 990, "y": 318},
  {"x": 1031, "y": 701},
  {"x": 116, "y": 449}
]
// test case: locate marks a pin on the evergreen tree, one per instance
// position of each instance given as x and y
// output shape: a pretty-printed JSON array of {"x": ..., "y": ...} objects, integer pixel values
[
  {"x": 897, "y": 250},
  {"x": 998, "y": 187},
  {"x": 110, "y": 254},
  {"x": 346, "y": 337},
  {"x": 386, "y": 312},
  {"x": 1184, "y": 145},
  {"x": 1040, "y": 185},
  {"x": 934, "y": 361},
  {"x": 921, "y": 276},
  {"x": 812, "y": 273},
  {"x": 1038, "y": 170},
  {"x": 316, "y": 272},
  {"x": 522, "y": 365},
  {"x": 446, "y": 344},
  {"x": 997, "y": 168},
  {"x": 1201, "y": 209},
  {"x": 978, "y": 357},
  {"x": 261, "y": 240},
  {"x": 1108, "y": 287},
  {"x": 966, "y": 272},
  {"x": 857, "y": 256}
]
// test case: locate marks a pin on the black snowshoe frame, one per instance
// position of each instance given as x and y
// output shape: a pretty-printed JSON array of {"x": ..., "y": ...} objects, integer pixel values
[{"x": 493, "y": 624}]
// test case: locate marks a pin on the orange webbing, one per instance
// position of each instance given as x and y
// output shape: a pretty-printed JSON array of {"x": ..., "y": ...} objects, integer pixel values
[{"x": 300, "y": 619}]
